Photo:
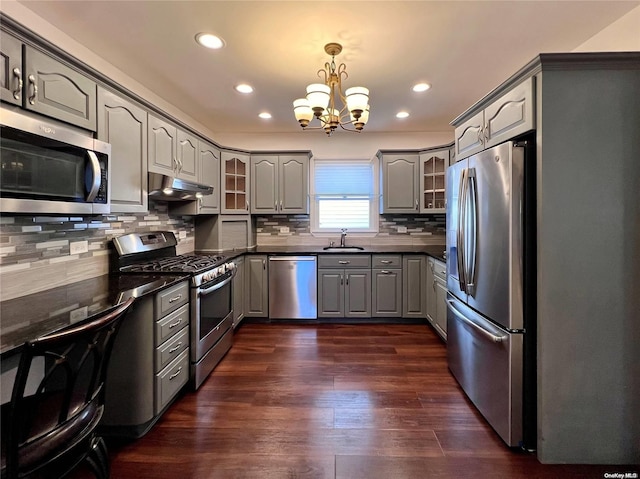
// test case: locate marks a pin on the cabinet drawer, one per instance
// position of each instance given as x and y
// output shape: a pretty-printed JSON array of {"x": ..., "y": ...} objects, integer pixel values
[
  {"x": 170, "y": 349},
  {"x": 170, "y": 380},
  {"x": 171, "y": 324},
  {"x": 344, "y": 261},
  {"x": 171, "y": 299},
  {"x": 386, "y": 261},
  {"x": 440, "y": 269}
]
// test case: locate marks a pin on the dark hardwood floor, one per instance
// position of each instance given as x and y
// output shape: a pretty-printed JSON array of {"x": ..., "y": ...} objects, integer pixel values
[{"x": 330, "y": 401}]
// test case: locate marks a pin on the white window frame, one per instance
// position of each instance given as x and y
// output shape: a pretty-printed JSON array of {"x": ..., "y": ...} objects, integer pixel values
[{"x": 374, "y": 202}]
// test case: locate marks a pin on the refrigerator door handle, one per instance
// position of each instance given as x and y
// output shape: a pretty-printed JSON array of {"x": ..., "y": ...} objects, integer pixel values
[
  {"x": 487, "y": 334},
  {"x": 470, "y": 276},
  {"x": 460, "y": 239}
]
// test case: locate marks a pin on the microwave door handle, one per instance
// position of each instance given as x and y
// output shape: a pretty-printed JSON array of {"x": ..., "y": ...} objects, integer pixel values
[{"x": 97, "y": 176}]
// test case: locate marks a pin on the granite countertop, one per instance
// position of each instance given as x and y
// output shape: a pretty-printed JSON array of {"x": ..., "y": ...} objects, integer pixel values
[
  {"x": 436, "y": 251},
  {"x": 35, "y": 315}
]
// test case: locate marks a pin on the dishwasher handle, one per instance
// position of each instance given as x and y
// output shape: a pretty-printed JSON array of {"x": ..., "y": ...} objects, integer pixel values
[{"x": 292, "y": 258}]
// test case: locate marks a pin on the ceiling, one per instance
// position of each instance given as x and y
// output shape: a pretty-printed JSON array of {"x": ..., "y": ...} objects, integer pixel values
[{"x": 462, "y": 48}]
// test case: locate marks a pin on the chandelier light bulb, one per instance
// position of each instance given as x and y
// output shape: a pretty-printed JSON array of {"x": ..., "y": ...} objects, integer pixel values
[
  {"x": 357, "y": 100},
  {"x": 318, "y": 95}
]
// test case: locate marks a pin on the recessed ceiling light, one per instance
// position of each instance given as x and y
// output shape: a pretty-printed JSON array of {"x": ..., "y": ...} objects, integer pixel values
[
  {"x": 209, "y": 40},
  {"x": 265, "y": 115},
  {"x": 402, "y": 114},
  {"x": 420, "y": 87},
  {"x": 244, "y": 88}
]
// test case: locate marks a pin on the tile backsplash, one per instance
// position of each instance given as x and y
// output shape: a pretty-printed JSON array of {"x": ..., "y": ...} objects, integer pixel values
[
  {"x": 296, "y": 230},
  {"x": 35, "y": 251}
]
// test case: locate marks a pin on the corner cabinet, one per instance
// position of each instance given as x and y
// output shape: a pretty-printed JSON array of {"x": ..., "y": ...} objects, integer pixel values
[
  {"x": 279, "y": 184},
  {"x": 234, "y": 183},
  {"x": 124, "y": 125},
  {"x": 510, "y": 115},
  {"x": 399, "y": 182},
  {"x": 172, "y": 151},
  {"x": 433, "y": 166}
]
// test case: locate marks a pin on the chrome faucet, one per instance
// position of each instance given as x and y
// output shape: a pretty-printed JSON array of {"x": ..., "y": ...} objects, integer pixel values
[{"x": 343, "y": 238}]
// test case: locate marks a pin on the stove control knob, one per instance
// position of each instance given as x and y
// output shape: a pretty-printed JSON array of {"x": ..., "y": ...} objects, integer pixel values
[
  {"x": 231, "y": 266},
  {"x": 221, "y": 270}
]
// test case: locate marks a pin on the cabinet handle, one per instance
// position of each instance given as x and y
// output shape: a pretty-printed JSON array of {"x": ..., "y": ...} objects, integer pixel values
[
  {"x": 341, "y": 280},
  {"x": 417, "y": 205},
  {"x": 386, "y": 261},
  {"x": 175, "y": 348},
  {"x": 275, "y": 206},
  {"x": 264, "y": 264},
  {"x": 486, "y": 131},
  {"x": 175, "y": 298},
  {"x": 346, "y": 279},
  {"x": 199, "y": 203},
  {"x": 246, "y": 205},
  {"x": 384, "y": 271},
  {"x": 18, "y": 74},
  {"x": 280, "y": 205},
  {"x": 481, "y": 136},
  {"x": 176, "y": 374},
  {"x": 34, "y": 89},
  {"x": 173, "y": 325},
  {"x": 344, "y": 262},
  {"x": 434, "y": 285}
]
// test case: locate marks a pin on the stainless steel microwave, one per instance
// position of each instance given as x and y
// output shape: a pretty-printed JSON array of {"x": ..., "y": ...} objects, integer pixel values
[{"x": 49, "y": 168}]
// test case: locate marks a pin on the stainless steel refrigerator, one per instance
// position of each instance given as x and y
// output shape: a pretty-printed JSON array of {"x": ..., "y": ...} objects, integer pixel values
[{"x": 491, "y": 284}]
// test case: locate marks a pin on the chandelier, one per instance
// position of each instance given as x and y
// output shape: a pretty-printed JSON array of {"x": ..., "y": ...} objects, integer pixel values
[{"x": 322, "y": 100}]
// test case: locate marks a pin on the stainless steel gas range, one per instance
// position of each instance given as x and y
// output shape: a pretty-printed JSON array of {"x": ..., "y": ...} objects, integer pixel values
[{"x": 211, "y": 299}]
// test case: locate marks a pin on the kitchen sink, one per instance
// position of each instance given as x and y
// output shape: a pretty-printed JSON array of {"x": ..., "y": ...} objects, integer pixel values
[{"x": 343, "y": 248}]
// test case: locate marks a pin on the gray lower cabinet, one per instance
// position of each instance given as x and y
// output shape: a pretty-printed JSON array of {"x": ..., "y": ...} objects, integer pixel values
[
  {"x": 437, "y": 296},
  {"x": 414, "y": 279},
  {"x": 256, "y": 286},
  {"x": 124, "y": 125},
  {"x": 386, "y": 296},
  {"x": 238, "y": 287},
  {"x": 149, "y": 362},
  {"x": 344, "y": 286}
]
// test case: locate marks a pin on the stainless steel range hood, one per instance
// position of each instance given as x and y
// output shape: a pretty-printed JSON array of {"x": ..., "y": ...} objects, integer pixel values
[{"x": 168, "y": 188}]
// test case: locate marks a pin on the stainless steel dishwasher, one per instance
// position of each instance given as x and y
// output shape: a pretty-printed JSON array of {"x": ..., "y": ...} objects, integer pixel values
[{"x": 293, "y": 287}]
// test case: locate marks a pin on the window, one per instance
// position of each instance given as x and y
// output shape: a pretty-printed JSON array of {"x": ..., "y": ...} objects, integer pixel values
[{"x": 343, "y": 196}]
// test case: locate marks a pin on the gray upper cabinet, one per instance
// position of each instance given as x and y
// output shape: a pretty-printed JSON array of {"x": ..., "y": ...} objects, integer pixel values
[
  {"x": 234, "y": 182},
  {"x": 187, "y": 156},
  {"x": 163, "y": 137},
  {"x": 124, "y": 125},
  {"x": 56, "y": 90},
  {"x": 433, "y": 165},
  {"x": 510, "y": 115},
  {"x": 209, "y": 168},
  {"x": 414, "y": 291},
  {"x": 279, "y": 184},
  {"x": 399, "y": 180},
  {"x": 256, "y": 286},
  {"x": 172, "y": 151},
  {"x": 12, "y": 74}
]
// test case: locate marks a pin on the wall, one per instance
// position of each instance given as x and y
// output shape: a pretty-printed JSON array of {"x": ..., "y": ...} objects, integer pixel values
[
  {"x": 621, "y": 35},
  {"x": 35, "y": 252}
]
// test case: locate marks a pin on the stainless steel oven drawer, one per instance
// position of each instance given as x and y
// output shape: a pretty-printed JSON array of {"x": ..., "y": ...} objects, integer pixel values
[
  {"x": 208, "y": 362},
  {"x": 171, "y": 324},
  {"x": 172, "y": 298},
  {"x": 170, "y": 349},
  {"x": 170, "y": 380},
  {"x": 217, "y": 332}
]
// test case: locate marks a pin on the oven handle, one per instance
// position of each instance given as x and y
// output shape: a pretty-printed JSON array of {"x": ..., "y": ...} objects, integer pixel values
[{"x": 204, "y": 292}]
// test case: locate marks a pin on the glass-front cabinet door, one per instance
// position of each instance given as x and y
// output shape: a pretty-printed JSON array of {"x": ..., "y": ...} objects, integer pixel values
[
  {"x": 433, "y": 166},
  {"x": 235, "y": 181}
]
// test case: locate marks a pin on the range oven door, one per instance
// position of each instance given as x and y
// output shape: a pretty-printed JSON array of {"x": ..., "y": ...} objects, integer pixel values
[
  {"x": 487, "y": 363},
  {"x": 211, "y": 316}
]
